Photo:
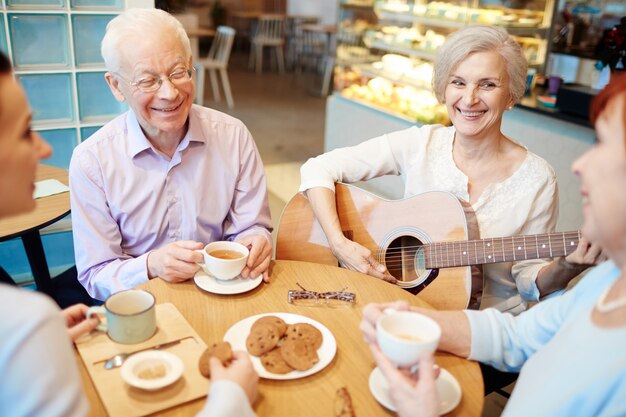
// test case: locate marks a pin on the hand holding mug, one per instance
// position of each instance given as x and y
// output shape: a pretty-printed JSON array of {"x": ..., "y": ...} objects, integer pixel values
[
  {"x": 77, "y": 322},
  {"x": 410, "y": 393}
]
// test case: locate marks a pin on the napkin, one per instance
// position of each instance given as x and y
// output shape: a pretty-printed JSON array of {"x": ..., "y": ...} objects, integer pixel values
[{"x": 46, "y": 188}]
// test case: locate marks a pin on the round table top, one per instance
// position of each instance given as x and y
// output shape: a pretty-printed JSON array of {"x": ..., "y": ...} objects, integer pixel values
[
  {"x": 211, "y": 315},
  {"x": 48, "y": 210}
]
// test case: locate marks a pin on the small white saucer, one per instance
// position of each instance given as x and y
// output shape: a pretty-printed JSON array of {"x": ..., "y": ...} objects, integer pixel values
[
  {"x": 232, "y": 286},
  {"x": 447, "y": 386},
  {"x": 154, "y": 361}
]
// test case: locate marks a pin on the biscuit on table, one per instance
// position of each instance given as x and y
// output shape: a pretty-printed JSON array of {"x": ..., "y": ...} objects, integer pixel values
[
  {"x": 306, "y": 332},
  {"x": 273, "y": 362},
  {"x": 263, "y": 337},
  {"x": 299, "y": 354},
  {"x": 221, "y": 350},
  {"x": 277, "y": 321}
]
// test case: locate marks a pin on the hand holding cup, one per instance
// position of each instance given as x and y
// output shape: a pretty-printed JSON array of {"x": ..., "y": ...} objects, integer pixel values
[{"x": 404, "y": 336}]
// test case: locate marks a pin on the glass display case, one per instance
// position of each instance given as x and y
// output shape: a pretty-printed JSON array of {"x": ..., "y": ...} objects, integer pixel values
[
  {"x": 401, "y": 43},
  {"x": 580, "y": 27}
]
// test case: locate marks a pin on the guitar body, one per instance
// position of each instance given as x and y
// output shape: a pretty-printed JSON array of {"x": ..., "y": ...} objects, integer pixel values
[{"x": 386, "y": 228}]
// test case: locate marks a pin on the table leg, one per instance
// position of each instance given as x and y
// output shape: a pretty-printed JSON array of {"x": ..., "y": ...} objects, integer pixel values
[{"x": 37, "y": 260}]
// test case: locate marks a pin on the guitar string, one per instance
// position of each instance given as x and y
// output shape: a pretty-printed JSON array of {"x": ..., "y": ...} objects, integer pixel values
[
  {"x": 457, "y": 250},
  {"x": 494, "y": 242}
]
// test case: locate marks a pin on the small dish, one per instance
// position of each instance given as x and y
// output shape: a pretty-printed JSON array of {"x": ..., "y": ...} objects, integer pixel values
[
  {"x": 447, "y": 386},
  {"x": 152, "y": 370},
  {"x": 233, "y": 286}
]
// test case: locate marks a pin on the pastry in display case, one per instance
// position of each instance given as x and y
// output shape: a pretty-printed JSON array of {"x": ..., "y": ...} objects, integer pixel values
[{"x": 404, "y": 40}]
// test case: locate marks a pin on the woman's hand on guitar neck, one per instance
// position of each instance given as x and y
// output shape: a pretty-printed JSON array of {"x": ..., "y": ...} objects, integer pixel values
[
  {"x": 587, "y": 254},
  {"x": 358, "y": 258},
  {"x": 557, "y": 274}
]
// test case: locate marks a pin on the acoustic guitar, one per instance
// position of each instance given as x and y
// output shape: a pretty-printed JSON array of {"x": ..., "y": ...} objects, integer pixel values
[{"x": 429, "y": 242}]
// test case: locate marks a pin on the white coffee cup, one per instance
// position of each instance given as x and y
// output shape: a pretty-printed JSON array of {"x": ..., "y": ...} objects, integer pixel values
[
  {"x": 403, "y": 336},
  {"x": 224, "y": 267},
  {"x": 130, "y": 316}
]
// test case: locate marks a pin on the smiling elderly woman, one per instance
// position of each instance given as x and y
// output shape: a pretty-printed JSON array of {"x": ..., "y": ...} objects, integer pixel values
[
  {"x": 479, "y": 74},
  {"x": 167, "y": 177}
]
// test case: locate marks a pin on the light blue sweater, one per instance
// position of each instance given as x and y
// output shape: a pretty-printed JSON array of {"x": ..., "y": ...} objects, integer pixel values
[{"x": 569, "y": 366}]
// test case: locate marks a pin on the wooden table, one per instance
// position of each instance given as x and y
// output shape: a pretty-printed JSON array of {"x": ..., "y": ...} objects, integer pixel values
[
  {"x": 48, "y": 210},
  {"x": 211, "y": 315}
]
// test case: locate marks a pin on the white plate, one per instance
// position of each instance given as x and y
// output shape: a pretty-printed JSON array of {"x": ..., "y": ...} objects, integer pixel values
[
  {"x": 238, "y": 333},
  {"x": 232, "y": 286},
  {"x": 150, "y": 358},
  {"x": 447, "y": 386}
]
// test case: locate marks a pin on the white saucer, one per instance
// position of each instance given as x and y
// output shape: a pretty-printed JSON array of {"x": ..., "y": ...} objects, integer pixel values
[
  {"x": 232, "y": 286},
  {"x": 447, "y": 386},
  {"x": 150, "y": 360}
]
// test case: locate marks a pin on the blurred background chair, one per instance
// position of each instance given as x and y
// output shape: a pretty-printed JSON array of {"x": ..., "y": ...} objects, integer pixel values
[
  {"x": 269, "y": 32},
  {"x": 295, "y": 37},
  {"x": 217, "y": 61}
]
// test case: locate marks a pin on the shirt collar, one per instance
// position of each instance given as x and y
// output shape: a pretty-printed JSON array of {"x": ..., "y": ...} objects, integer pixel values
[{"x": 139, "y": 142}]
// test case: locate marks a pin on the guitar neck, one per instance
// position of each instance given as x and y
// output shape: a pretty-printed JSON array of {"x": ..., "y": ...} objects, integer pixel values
[{"x": 500, "y": 249}]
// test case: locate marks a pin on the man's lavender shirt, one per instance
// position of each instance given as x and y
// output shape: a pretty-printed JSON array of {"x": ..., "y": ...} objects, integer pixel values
[{"x": 128, "y": 199}]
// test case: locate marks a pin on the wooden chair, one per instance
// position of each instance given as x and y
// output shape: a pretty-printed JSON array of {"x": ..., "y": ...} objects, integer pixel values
[
  {"x": 270, "y": 33},
  {"x": 217, "y": 61}
]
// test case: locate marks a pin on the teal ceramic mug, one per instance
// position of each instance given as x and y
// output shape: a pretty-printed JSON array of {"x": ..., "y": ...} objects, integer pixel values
[{"x": 130, "y": 316}]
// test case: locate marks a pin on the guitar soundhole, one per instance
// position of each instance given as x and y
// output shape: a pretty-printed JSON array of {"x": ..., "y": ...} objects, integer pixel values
[{"x": 404, "y": 258}]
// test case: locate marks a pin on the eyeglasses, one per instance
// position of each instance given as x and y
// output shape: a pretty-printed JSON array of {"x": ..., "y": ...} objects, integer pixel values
[
  {"x": 308, "y": 298},
  {"x": 343, "y": 403},
  {"x": 151, "y": 84}
]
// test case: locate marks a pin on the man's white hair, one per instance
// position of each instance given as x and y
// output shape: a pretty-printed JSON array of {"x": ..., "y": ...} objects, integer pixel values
[{"x": 135, "y": 23}]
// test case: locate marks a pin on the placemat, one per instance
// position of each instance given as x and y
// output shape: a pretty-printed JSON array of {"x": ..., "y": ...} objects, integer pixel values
[{"x": 120, "y": 399}]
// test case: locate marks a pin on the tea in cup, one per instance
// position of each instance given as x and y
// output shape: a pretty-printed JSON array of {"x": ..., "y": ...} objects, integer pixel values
[
  {"x": 403, "y": 336},
  {"x": 130, "y": 316},
  {"x": 224, "y": 260}
]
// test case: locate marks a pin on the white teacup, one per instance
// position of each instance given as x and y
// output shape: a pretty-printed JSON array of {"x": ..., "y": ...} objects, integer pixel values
[
  {"x": 403, "y": 336},
  {"x": 224, "y": 260},
  {"x": 130, "y": 316}
]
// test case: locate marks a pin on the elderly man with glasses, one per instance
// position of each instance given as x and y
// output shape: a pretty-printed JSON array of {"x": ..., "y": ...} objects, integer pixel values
[{"x": 158, "y": 182}]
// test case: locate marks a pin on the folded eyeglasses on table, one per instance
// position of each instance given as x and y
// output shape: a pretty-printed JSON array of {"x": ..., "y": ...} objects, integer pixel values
[{"x": 312, "y": 298}]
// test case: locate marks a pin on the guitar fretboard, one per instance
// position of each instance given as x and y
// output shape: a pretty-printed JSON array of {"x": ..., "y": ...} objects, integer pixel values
[{"x": 501, "y": 249}]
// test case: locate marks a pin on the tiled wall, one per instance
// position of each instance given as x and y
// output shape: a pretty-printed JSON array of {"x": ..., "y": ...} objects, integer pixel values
[{"x": 55, "y": 49}]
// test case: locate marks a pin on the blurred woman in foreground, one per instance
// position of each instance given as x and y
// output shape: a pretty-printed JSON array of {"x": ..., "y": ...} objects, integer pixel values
[
  {"x": 570, "y": 349},
  {"x": 37, "y": 362}
]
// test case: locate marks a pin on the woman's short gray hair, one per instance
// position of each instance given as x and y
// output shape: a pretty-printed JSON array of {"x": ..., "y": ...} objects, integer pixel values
[
  {"x": 136, "y": 23},
  {"x": 480, "y": 38}
]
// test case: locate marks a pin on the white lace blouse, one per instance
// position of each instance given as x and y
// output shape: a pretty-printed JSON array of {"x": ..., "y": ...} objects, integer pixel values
[{"x": 525, "y": 203}]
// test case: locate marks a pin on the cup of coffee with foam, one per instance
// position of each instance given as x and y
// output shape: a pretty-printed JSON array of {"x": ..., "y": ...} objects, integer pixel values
[
  {"x": 224, "y": 260},
  {"x": 403, "y": 336}
]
